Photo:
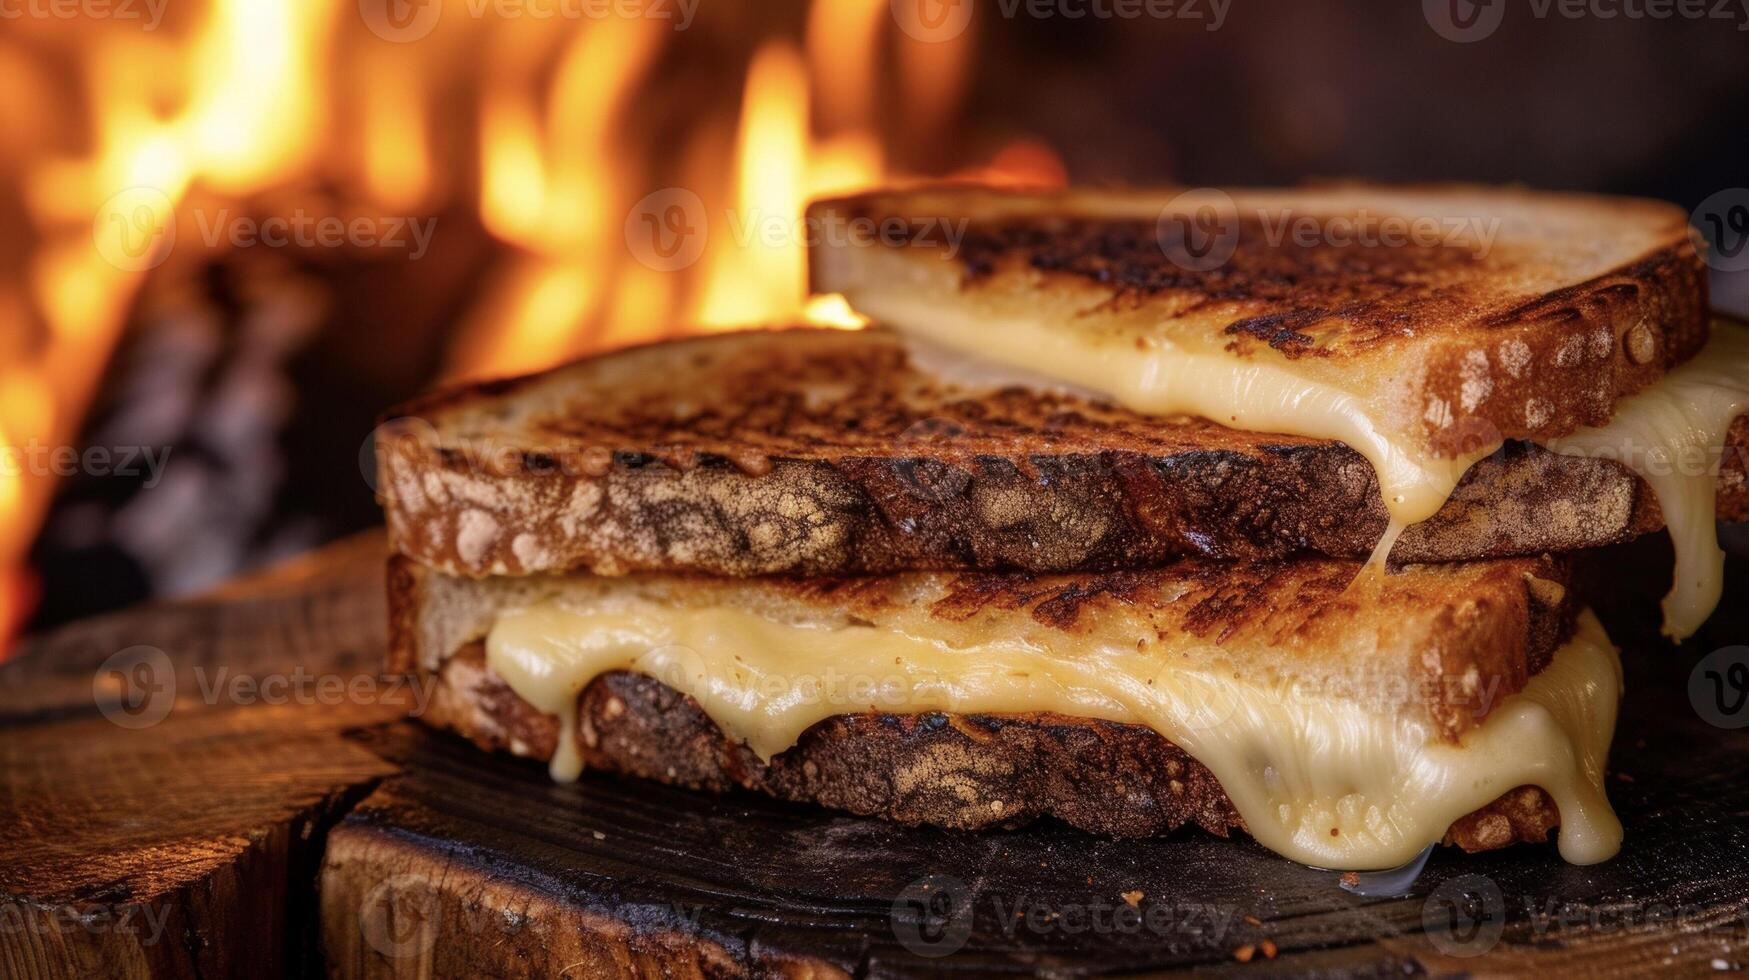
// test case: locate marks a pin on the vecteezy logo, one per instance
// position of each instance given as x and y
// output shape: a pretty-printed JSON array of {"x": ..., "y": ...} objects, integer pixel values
[
  {"x": 400, "y": 21},
  {"x": 1465, "y": 915},
  {"x": 1199, "y": 229},
  {"x": 933, "y": 916},
  {"x": 932, "y": 21},
  {"x": 401, "y": 915},
  {"x": 1201, "y": 702},
  {"x": 135, "y": 229},
  {"x": 408, "y": 428},
  {"x": 667, "y": 230},
  {"x": 679, "y": 667},
  {"x": 135, "y": 687},
  {"x": 1722, "y": 222},
  {"x": 1464, "y": 21},
  {"x": 1719, "y": 687}
]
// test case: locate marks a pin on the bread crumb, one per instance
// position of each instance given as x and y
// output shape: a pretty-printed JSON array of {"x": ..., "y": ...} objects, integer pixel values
[
  {"x": 1350, "y": 878},
  {"x": 1537, "y": 412},
  {"x": 528, "y": 551},
  {"x": 476, "y": 530},
  {"x": 1476, "y": 382},
  {"x": 1641, "y": 343},
  {"x": 1244, "y": 953},
  {"x": 1514, "y": 357},
  {"x": 1269, "y": 949},
  {"x": 1133, "y": 898},
  {"x": 1253, "y": 920}
]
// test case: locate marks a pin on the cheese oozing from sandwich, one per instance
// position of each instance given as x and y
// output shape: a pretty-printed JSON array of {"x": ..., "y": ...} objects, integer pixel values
[
  {"x": 1164, "y": 378},
  {"x": 1319, "y": 775},
  {"x": 1673, "y": 435}
]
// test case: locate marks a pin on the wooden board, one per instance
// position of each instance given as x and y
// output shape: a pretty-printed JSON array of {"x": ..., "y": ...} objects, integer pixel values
[{"x": 437, "y": 860}]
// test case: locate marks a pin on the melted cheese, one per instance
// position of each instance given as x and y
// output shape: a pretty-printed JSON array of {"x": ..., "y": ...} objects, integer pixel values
[
  {"x": 1167, "y": 379},
  {"x": 1672, "y": 434},
  {"x": 1325, "y": 780}
]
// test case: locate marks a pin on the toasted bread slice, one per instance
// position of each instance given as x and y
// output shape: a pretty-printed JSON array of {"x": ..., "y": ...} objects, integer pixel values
[
  {"x": 828, "y": 452},
  {"x": 966, "y": 772},
  {"x": 1457, "y": 314},
  {"x": 1452, "y": 643},
  {"x": 1307, "y": 621},
  {"x": 1422, "y": 327}
]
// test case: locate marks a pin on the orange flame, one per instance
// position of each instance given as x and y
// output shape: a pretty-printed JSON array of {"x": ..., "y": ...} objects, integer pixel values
[
  {"x": 245, "y": 96},
  {"x": 247, "y": 91}
]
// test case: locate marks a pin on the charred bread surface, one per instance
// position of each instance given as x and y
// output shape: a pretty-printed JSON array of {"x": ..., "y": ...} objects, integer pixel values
[
  {"x": 1494, "y": 311},
  {"x": 810, "y": 452}
]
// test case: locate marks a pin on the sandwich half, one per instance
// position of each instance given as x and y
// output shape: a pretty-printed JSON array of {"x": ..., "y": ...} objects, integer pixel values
[
  {"x": 1422, "y": 327},
  {"x": 1344, "y": 720},
  {"x": 816, "y": 452}
]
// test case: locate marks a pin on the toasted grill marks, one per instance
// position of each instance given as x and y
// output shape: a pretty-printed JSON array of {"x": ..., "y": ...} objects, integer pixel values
[
  {"x": 962, "y": 772},
  {"x": 1503, "y": 314},
  {"x": 1053, "y": 603},
  {"x": 1062, "y": 610},
  {"x": 1215, "y": 600},
  {"x": 825, "y": 453},
  {"x": 1489, "y": 624},
  {"x": 1280, "y": 330},
  {"x": 1232, "y": 600},
  {"x": 1275, "y": 287},
  {"x": 822, "y": 398}
]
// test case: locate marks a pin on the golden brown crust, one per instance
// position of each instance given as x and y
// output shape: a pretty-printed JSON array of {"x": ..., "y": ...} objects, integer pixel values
[
  {"x": 1491, "y": 624},
  {"x": 960, "y": 771},
  {"x": 1453, "y": 639},
  {"x": 1517, "y": 314},
  {"x": 826, "y": 453}
]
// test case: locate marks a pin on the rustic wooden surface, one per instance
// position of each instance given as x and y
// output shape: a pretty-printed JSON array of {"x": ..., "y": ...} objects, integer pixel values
[
  {"x": 189, "y": 847},
  {"x": 261, "y": 839}
]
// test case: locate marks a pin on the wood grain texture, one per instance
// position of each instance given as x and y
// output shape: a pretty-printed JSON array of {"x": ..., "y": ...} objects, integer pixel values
[
  {"x": 438, "y": 860},
  {"x": 187, "y": 846}
]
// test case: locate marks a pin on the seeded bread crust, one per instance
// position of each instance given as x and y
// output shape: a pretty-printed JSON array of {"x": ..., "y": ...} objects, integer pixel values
[{"x": 811, "y": 452}]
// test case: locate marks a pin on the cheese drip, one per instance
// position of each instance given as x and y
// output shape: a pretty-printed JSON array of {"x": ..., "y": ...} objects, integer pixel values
[
  {"x": 1167, "y": 379},
  {"x": 1323, "y": 779},
  {"x": 1672, "y": 435}
]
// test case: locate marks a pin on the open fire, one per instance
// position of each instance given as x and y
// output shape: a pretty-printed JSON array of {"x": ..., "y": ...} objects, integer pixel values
[{"x": 638, "y": 175}]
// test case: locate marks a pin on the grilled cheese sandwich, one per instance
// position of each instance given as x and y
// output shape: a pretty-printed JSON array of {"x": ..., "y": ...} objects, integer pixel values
[
  {"x": 1112, "y": 312},
  {"x": 1075, "y": 529}
]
